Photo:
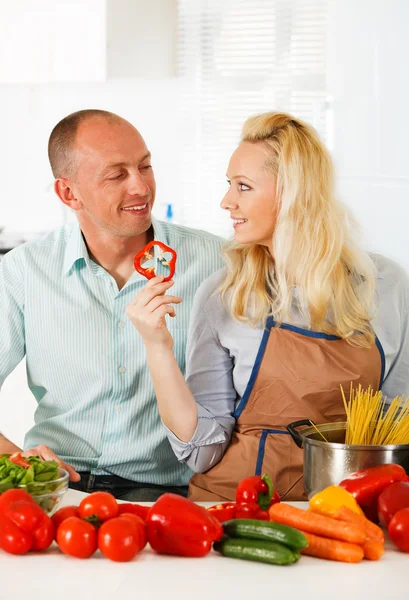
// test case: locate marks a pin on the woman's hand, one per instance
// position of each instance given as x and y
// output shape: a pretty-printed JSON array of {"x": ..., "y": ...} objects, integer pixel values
[{"x": 148, "y": 310}]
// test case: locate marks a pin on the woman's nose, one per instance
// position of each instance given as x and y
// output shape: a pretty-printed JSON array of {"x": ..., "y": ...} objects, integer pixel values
[{"x": 228, "y": 202}]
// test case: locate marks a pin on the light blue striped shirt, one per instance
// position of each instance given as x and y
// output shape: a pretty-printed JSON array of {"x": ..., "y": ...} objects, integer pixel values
[{"x": 86, "y": 363}]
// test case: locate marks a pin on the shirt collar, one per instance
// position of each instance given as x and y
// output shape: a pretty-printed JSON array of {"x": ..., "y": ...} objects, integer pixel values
[{"x": 76, "y": 248}]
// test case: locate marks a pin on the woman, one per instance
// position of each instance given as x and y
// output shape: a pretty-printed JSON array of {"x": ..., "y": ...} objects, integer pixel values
[{"x": 298, "y": 311}]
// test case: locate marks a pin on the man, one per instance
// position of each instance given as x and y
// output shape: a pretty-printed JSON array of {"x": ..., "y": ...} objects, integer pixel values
[{"x": 63, "y": 301}]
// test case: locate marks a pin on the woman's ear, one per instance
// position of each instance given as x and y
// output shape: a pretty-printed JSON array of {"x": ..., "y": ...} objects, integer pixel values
[{"x": 65, "y": 193}]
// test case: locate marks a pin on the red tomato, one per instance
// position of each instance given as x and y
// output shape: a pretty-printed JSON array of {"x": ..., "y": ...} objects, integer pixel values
[
  {"x": 100, "y": 505},
  {"x": 13, "y": 539},
  {"x": 399, "y": 529},
  {"x": 141, "y": 526},
  {"x": 134, "y": 509},
  {"x": 76, "y": 537},
  {"x": 120, "y": 539},
  {"x": 25, "y": 515},
  {"x": 31, "y": 518},
  {"x": 393, "y": 498},
  {"x": 8, "y": 498},
  {"x": 62, "y": 514}
]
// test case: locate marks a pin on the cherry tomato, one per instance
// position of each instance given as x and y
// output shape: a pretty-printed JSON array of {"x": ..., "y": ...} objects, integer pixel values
[
  {"x": 98, "y": 505},
  {"x": 30, "y": 518},
  {"x": 62, "y": 514},
  {"x": 76, "y": 537},
  {"x": 14, "y": 495},
  {"x": 393, "y": 498},
  {"x": 399, "y": 529},
  {"x": 134, "y": 509},
  {"x": 121, "y": 538},
  {"x": 143, "y": 531},
  {"x": 13, "y": 539}
]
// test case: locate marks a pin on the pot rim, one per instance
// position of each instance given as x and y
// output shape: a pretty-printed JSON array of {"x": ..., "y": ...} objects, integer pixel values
[{"x": 339, "y": 425}]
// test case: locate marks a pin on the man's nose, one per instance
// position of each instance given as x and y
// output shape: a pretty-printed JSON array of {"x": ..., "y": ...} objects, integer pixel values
[{"x": 137, "y": 186}]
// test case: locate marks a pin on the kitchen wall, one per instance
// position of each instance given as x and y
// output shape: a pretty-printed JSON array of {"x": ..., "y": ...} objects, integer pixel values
[{"x": 368, "y": 99}]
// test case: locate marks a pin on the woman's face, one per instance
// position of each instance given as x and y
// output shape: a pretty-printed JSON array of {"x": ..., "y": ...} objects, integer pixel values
[{"x": 251, "y": 198}]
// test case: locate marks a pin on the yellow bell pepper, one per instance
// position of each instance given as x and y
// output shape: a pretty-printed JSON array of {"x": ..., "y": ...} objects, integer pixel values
[{"x": 331, "y": 499}]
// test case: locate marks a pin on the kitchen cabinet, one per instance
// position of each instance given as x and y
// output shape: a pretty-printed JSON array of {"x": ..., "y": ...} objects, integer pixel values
[
  {"x": 153, "y": 577},
  {"x": 86, "y": 40}
]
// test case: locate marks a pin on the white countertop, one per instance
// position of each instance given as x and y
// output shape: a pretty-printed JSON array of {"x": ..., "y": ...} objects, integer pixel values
[{"x": 150, "y": 576}]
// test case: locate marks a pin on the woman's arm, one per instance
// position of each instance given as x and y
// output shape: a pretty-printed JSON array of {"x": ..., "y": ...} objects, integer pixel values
[{"x": 199, "y": 420}]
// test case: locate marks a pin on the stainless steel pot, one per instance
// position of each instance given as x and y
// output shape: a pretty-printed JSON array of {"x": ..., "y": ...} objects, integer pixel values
[{"x": 329, "y": 462}]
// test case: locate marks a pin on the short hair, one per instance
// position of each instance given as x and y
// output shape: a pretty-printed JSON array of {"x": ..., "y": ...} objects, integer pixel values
[{"x": 62, "y": 139}]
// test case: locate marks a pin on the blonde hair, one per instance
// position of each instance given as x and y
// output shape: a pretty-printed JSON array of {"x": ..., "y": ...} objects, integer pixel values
[{"x": 313, "y": 243}]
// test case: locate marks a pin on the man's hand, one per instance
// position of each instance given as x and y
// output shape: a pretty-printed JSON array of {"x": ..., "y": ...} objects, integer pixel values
[
  {"x": 149, "y": 309},
  {"x": 45, "y": 453}
]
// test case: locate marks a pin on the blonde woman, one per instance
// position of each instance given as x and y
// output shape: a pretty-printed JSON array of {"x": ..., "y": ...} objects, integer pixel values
[{"x": 299, "y": 310}]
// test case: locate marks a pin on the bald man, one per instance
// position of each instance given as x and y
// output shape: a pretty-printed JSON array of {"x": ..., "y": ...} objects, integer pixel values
[{"x": 62, "y": 305}]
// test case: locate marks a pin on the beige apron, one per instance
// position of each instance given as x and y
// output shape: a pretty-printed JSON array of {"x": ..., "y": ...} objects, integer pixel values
[{"x": 297, "y": 375}]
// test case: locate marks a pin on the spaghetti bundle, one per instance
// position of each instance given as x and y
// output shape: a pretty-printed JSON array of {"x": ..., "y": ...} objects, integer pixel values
[{"x": 369, "y": 419}]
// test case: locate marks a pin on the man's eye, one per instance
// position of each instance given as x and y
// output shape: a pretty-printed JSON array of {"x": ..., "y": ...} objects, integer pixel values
[
  {"x": 243, "y": 187},
  {"x": 146, "y": 167},
  {"x": 119, "y": 176},
  {"x": 228, "y": 182}
]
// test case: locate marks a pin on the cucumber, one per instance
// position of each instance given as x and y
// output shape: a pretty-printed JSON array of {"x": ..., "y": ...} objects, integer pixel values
[
  {"x": 272, "y": 553},
  {"x": 264, "y": 530}
]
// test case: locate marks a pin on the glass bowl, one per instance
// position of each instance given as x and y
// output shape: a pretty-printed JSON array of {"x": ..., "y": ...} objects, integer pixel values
[{"x": 48, "y": 494}]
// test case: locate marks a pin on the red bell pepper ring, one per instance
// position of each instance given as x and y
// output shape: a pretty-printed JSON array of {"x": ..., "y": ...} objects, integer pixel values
[
  {"x": 258, "y": 489},
  {"x": 144, "y": 254},
  {"x": 394, "y": 498},
  {"x": 367, "y": 485},
  {"x": 177, "y": 526},
  {"x": 223, "y": 512}
]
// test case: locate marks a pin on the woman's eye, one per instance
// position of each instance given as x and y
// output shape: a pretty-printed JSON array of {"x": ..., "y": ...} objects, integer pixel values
[{"x": 243, "y": 187}]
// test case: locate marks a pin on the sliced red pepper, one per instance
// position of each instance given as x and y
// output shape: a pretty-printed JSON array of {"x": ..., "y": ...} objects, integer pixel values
[
  {"x": 367, "y": 485},
  {"x": 180, "y": 527},
  {"x": 223, "y": 512},
  {"x": 144, "y": 254},
  {"x": 258, "y": 489},
  {"x": 19, "y": 460}
]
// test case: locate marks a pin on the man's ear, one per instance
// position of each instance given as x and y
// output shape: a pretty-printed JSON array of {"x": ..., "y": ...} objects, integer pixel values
[{"x": 65, "y": 193}]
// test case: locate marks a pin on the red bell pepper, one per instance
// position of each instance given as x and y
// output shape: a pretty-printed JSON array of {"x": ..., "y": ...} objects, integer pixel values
[
  {"x": 258, "y": 490},
  {"x": 367, "y": 485},
  {"x": 144, "y": 254},
  {"x": 398, "y": 529},
  {"x": 25, "y": 526},
  {"x": 392, "y": 499},
  {"x": 178, "y": 526},
  {"x": 223, "y": 512},
  {"x": 17, "y": 459}
]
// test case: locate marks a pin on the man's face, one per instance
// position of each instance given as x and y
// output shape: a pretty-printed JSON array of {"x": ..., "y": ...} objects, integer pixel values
[{"x": 113, "y": 180}]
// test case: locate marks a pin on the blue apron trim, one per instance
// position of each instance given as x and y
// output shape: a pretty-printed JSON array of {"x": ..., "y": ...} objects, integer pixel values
[
  {"x": 382, "y": 353},
  {"x": 306, "y": 332},
  {"x": 260, "y": 455}
]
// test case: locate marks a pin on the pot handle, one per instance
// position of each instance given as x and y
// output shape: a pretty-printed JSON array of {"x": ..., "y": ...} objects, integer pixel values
[{"x": 291, "y": 428}]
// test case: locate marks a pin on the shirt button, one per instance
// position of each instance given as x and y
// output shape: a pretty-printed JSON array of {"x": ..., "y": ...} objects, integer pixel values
[
  {"x": 121, "y": 324},
  {"x": 117, "y": 409},
  {"x": 122, "y": 369}
]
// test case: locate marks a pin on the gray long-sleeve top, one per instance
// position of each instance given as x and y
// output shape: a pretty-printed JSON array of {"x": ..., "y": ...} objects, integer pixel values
[{"x": 221, "y": 353}]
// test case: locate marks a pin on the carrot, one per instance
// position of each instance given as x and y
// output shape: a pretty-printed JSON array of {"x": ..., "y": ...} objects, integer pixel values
[
  {"x": 322, "y": 547},
  {"x": 317, "y": 524},
  {"x": 372, "y": 531},
  {"x": 373, "y": 550}
]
